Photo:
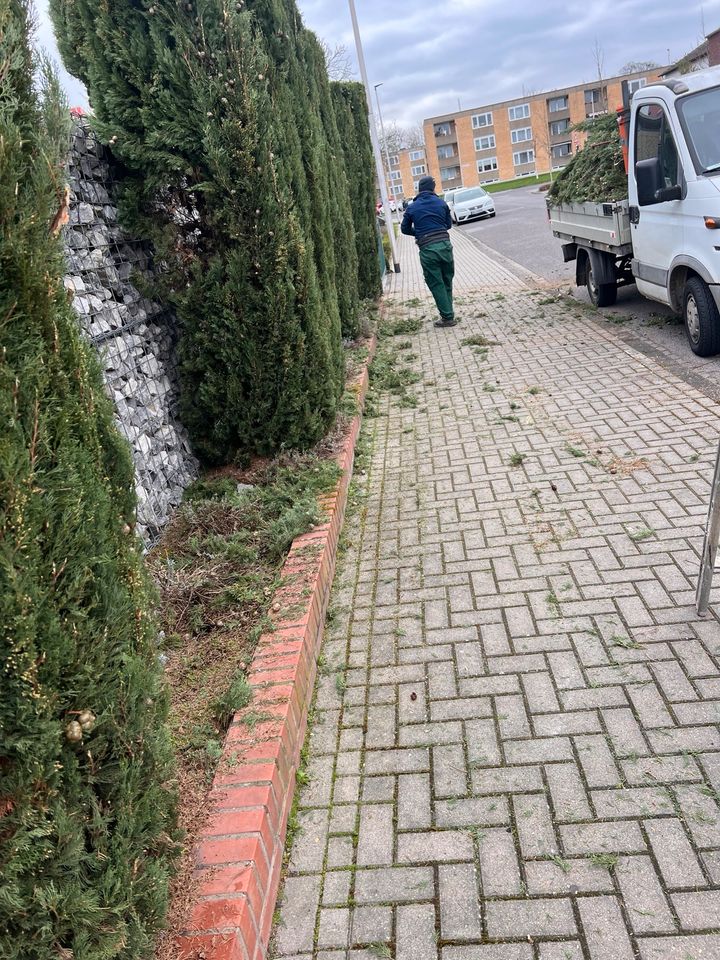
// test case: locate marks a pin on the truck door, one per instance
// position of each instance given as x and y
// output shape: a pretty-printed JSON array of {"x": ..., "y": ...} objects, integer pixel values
[{"x": 657, "y": 188}]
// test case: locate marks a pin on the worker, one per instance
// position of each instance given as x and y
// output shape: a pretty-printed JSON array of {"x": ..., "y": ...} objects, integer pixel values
[{"x": 428, "y": 220}]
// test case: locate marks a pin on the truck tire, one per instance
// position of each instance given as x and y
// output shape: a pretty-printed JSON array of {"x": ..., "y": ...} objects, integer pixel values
[
  {"x": 601, "y": 294},
  {"x": 702, "y": 320}
]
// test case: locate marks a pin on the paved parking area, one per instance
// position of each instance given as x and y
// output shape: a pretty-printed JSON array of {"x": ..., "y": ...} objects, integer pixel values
[{"x": 515, "y": 752}]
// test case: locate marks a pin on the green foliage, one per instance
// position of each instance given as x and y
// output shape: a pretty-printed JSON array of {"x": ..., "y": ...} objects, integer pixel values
[
  {"x": 223, "y": 117},
  {"x": 597, "y": 172},
  {"x": 86, "y": 817},
  {"x": 352, "y": 119},
  {"x": 238, "y": 695}
]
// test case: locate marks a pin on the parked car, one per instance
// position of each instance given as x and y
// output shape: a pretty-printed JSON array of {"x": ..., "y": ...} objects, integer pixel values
[
  {"x": 449, "y": 196},
  {"x": 471, "y": 203}
]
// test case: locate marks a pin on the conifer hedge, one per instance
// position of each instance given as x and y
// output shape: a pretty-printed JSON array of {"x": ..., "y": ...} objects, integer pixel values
[
  {"x": 351, "y": 113},
  {"x": 223, "y": 117},
  {"x": 85, "y": 814}
]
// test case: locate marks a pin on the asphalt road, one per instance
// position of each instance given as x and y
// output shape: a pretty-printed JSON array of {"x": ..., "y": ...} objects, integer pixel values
[{"x": 521, "y": 235}]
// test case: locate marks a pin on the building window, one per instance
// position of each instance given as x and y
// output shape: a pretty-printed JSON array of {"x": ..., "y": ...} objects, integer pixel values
[
  {"x": 485, "y": 143},
  {"x": 394, "y": 161},
  {"x": 397, "y": 190},
  {"x": 561, "y": 150},
  {"x": 416, "y": 186},
  {"x": 521, "y": 134},
  {"x": 449, "y": 173},
  {"x": 519, "y": 112},
  {"x": 523, "y": 156},
  {"x": 559, "y": 126},
  {"x": 444, "y": 153},
  {"x": 557, "y": 103},
  {"x": 482, "y": 120},
  {"x": 417, "y": 155},
  {"x": 419, "y": 170},
  {"x": 595, "y": 101},
  {"x": 395, "y": 175},
  {"x": 634, "y": 85},
  {"x": 487, "y": 165},
  {"x": 442, "y": 129}
]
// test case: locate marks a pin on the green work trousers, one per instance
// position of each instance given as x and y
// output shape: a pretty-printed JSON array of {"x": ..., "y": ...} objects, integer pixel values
[{"x": 439, "y": 269}]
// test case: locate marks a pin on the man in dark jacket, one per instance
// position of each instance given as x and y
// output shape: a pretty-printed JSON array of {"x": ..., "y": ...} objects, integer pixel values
[{"x": 428, "y": 220}]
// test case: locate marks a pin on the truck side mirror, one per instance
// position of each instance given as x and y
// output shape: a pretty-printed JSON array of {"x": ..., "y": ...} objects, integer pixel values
[
  {"x": 669, "y": 193},
  {"x": 648, "y": 175}
]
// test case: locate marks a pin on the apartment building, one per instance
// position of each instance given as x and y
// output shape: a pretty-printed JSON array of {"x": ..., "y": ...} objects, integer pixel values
[
  {"x": 406, "y": 169},
  {"x": 516, "y": 138}
]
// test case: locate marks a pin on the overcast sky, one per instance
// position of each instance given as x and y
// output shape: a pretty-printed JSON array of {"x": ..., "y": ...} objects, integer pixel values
[{"x": 430, "y": 55}]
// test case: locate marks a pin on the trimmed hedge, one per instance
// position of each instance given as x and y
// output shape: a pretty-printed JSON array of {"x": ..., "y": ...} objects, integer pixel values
[
  {"x": 351, "y": 112},
  {"x": 86, "y": 818},
  {"x": 225, "y": 122}
]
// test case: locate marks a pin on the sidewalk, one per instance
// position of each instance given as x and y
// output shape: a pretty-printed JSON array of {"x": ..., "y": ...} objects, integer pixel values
[
  {"x": 474, "y": 271},
  {"x": 515, "y": 751}
]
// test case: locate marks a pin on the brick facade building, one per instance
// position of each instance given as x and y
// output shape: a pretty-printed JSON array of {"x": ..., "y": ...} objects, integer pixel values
[
  {"x": 406, "y": 169},
  {"x": 515, "y": 138}
]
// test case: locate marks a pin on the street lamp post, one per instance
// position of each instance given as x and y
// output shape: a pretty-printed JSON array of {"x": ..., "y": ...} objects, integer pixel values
[
  {"x": 384, "y": 143},
  {"x": 375, "y": 141}
]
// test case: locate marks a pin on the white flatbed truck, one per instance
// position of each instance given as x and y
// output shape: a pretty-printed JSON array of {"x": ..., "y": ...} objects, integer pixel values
[{"x": 665, "y": 236}]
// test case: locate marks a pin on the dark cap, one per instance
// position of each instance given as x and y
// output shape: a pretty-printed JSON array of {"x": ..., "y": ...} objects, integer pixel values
[{"x": 426, "y": 183}]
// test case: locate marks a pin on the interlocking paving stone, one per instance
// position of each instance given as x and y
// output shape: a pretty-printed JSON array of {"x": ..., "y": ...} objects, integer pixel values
[
  {"x": 525, "y": 759},
  {"x": 512, "y": 919}
]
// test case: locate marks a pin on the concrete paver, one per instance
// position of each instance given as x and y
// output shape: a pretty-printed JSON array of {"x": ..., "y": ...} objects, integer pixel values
[{"x": 516, "y": 746}]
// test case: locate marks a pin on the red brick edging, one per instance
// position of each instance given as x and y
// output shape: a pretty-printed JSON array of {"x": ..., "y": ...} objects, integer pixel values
[{"x": 240, "y": 851}]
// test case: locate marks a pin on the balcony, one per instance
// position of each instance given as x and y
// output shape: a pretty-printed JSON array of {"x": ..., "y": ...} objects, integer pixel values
[{"x": 450, "y": 140}]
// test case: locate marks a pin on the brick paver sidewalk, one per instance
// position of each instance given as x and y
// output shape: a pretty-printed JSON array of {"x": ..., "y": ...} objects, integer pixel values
[{"x": 515, "y": 752}]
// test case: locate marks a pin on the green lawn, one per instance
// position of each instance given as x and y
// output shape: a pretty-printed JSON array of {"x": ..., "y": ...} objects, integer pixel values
[{"x": 514, "y": 184}]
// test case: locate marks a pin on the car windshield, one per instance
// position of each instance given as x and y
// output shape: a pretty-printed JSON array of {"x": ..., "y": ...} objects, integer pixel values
[
  {"x": 700, "y": 115},
  {"x": 475, "y": 194}
]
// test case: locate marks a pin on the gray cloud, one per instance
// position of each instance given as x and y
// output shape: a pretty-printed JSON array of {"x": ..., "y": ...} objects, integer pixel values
[{"x": 429, "y": 56}]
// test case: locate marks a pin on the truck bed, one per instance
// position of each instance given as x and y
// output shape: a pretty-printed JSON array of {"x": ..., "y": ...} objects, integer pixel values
[{"x": 605, "y": 226}]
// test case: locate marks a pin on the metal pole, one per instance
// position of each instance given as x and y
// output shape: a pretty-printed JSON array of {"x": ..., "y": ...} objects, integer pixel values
[
  {"x": 710, "y": 547},
  {"x": 384, "y": 143},
  {"x": 389, "y": 223}
]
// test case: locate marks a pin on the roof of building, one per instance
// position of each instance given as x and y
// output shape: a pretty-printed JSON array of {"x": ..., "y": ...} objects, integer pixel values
[{"x": 700, "y": 51}]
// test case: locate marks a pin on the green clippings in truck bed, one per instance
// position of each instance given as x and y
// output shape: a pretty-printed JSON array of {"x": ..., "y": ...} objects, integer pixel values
[{"x": 597, "y": 171}]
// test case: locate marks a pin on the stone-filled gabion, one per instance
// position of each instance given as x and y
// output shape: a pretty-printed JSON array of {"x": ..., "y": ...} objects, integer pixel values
[{"x": 134, "y": 336}]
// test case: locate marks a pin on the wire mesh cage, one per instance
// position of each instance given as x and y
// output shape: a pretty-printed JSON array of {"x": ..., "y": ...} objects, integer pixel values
[{"x": 135, "y": 336}]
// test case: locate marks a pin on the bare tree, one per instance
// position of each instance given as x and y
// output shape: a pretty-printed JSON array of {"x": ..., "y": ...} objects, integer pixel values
[
  {"x": 415, "y": 137},
  {"x": 395, "y": 138},
  {"x": 543, "y": 139},
  {"x": 599, "y": 58},
  {"x": 637, "y": 66},
  {"x": 338, "y": 61}
]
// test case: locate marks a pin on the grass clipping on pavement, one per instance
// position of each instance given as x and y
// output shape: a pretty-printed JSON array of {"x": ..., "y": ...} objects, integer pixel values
[{"x": 597, "y": 172}]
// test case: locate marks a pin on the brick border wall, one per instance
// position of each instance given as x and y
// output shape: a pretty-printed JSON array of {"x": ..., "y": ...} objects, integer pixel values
[{"x": 240, "y": 851}]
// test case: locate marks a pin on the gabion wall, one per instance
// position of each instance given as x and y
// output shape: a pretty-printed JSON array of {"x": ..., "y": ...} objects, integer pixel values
[{"x": 134, "y": 336}]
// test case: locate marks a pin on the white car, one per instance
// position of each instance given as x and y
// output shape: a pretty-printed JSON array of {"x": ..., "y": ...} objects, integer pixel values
[
  {"x": 449, "y": 196},
  {"x": 471, "y": 203}
]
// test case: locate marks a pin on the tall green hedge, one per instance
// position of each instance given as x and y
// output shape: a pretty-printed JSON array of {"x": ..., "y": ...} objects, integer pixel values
[
  {"x": 85, "y": 814},
  {"x": 351, "y": 113},
  {"x": 223, "y": 117}
]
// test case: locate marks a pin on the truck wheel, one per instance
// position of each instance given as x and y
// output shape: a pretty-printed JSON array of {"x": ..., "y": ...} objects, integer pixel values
[
  {"x": 702, "y": 320},
  {"x": 601, "y": 294}
]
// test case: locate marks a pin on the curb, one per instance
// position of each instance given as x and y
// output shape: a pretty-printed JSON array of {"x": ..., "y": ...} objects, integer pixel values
[{"x": 239, "y": 854}]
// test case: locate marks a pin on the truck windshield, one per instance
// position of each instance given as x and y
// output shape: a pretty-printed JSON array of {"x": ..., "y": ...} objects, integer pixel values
[{"x": 700, "y": 115}]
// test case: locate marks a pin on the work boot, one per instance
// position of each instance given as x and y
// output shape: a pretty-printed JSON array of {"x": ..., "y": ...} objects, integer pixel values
[{"x": 443, "y": 322}]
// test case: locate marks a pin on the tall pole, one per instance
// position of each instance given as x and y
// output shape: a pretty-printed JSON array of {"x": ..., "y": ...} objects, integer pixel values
[
  {"x": 384, "y": 143},
  {"x": 389, "y": 224}
]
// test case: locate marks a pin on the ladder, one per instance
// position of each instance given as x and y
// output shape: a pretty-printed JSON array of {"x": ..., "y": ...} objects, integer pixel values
[{"x": 710, "y": 547}]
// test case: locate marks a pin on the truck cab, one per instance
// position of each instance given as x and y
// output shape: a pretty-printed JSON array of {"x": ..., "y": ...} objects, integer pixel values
[{"x": 674, "y": 200}]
